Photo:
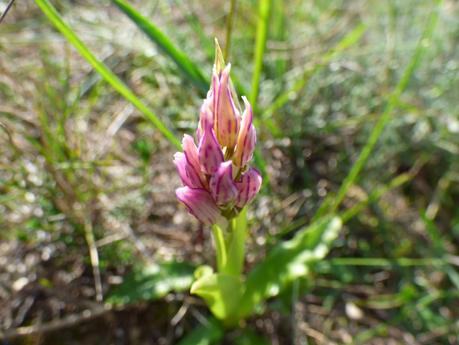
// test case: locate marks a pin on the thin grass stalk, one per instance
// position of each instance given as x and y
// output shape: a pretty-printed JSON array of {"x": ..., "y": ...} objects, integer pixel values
[
  {"x": 94, "y": 257},
  {"x": 229, "y": 29},
  {"x": 8, "y": 7},
  {"x": 387, "y": 262},
  {"x": 264, "y": 8}
]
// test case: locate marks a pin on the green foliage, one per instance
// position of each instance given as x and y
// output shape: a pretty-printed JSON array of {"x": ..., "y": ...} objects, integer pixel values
[
  {"x": 103, "y": 70},
  {"x": 188, "y": 67},
  {"x": 385, "y": 117},
  {"x": 222, "y": 293},
  {"x": 288, "y": 261},
  {"x": 206, "y": 334},
  {"x": 264, "y": 9},
  {"x": 231, "y": 298},
  {"x": 249, "y": 337},
  {"x": 153, "y": 282}
]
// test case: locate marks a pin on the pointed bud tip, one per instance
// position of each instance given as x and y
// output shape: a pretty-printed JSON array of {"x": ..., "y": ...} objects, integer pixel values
[{"x": 219, "y": 60}]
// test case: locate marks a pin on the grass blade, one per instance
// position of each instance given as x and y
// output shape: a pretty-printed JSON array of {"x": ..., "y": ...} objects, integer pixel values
[
  {"x": 279, "y": 34},
  {"x": 55, "y": 18},
  {"x": 393, "y": 100},
  {"x": 183, "y": 62},
  {"x": 264, "y": 8}
]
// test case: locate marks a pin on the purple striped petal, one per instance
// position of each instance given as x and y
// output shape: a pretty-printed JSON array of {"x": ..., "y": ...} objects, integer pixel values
[
  {"x": 248, "y": 187},
  {"x": 210, "y": 152},
  {"x": 222, "y": 186},
  {"x": 186, "y": 172},
  {"x": 247, "y": 137},
  {"x": 191, "y": 153},
  {"x": 226, "y": 114},
  {"x": 180, "y": 164},
  {"x": 200, "y": 204}
]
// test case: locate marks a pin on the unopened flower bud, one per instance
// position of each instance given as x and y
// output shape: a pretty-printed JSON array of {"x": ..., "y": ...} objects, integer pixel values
[{"x": 216, "y": 176}]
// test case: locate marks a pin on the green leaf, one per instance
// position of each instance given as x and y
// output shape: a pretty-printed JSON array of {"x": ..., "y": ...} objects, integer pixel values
[
  {"x": 288, "y": 261},
  {"x": 222, "y": 293},
  {"x": 206, "y": 334},
  {"x": 183, "y": 62},
  {"x": 55, "y": 18},
  {"x": 153, "y": 282}
]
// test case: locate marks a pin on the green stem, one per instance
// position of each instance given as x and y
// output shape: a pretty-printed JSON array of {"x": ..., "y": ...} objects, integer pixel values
[
  {"x": 230, "y": 245},
  {"x": 236, "y": 244},
  {"x": 220, "y": 247}
]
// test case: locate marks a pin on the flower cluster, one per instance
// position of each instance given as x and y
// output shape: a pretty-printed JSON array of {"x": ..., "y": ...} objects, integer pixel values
[{"x": 218, "y": 182}]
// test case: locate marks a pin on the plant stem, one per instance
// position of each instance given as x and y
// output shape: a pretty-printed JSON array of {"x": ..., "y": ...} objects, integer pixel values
[
  {"x": 236, "y": 244},
  {"x": 220, "y": 247}
]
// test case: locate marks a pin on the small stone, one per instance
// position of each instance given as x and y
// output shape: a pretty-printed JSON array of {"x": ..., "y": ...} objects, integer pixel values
[
  {"x": 353, "y": 311},
  {"x": 19, "y": 284}
]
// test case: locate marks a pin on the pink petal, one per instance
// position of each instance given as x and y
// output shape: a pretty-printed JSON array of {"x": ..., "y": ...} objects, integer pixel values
[
  {"x": 200, "y": 204},
  {"x": 248, "y": 187},
  {"x": 222, "y": 186},
  {"x": 226, "y": 114},
  {"x": 205, "y": 116},
  {"x": 210, "y": 152},
  {"x": 191, "y": 153},
  {"x": 180, "y": 164},
  {"x": 247, "y": 137},
  {"x": 186, "y": 173}
]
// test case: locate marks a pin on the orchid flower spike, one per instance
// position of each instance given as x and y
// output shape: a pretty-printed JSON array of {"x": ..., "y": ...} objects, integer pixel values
[{"x": 217, "y": 179}]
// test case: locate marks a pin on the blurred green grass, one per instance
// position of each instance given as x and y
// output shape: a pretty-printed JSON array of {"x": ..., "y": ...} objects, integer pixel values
[{"x": 77, "y": 159}]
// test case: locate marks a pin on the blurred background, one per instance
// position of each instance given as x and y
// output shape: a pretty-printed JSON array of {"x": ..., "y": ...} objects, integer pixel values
[{"x": 94, "y": 247}]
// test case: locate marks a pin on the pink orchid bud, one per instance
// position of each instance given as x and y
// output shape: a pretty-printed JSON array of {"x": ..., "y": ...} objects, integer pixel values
[
  {"x": 191, "y": 153},
  {"x": 247, "y": 137},
  {"x": 222, "y": 186},
  {"x": 226, "y": 116},
  {"x": 206, "y": 116},
  {"x": 200, "y": 204},
  {"x": 211, "y": 172},
  {"x": 210, "y": 152},
  {"x": 248, "y": 187}
]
